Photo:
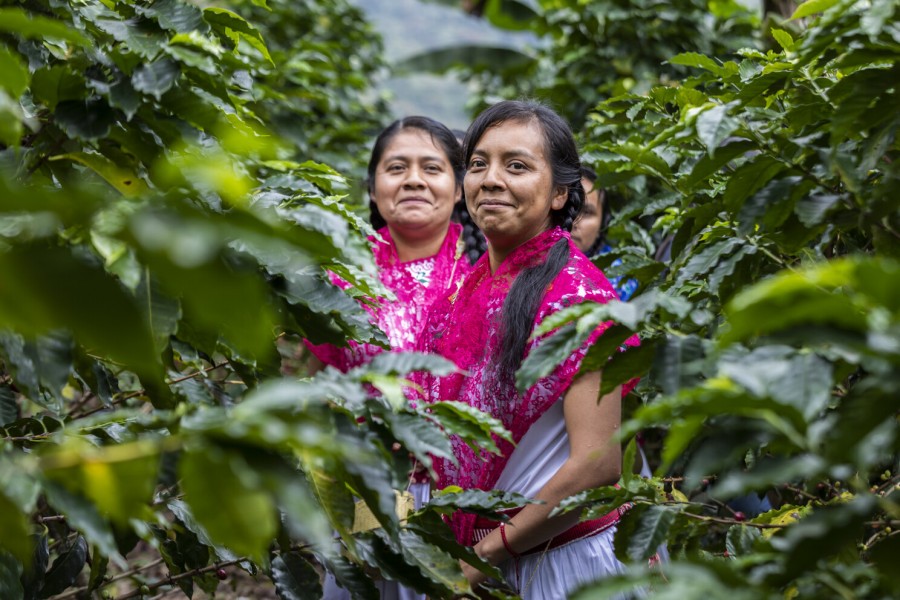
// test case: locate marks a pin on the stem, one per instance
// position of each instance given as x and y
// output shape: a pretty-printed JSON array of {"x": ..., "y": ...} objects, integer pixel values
[{"x": 124, "y": 575}]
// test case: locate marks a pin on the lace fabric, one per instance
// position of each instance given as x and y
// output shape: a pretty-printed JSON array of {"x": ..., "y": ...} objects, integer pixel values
[
  {"x": 415, "y": 285},
  {"x": 466, "y": 328}
]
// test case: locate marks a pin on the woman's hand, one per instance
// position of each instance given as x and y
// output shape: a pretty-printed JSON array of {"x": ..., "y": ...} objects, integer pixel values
[{"x": 473, "y": 575}]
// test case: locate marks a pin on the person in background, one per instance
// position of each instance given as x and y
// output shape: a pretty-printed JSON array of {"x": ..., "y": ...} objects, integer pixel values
[
  {"x": 415, "y": 187},
  {"x": 523, "y": 190},
  {"x": 589, "y": 230}
]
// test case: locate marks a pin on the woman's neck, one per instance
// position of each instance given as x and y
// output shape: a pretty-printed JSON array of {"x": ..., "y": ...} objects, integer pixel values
[{"x": 416, "y": 245}]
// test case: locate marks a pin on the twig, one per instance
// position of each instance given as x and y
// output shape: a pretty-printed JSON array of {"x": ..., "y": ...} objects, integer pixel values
[{"x": 124, "y": 575}]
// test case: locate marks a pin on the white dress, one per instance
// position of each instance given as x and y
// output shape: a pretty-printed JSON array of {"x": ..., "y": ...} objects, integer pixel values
[{"x": 558, "y": 572}]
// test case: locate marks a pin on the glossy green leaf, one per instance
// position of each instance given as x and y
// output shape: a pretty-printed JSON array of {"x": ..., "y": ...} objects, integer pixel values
[
  {"x": 223, "y": 18},
  {"x": 651, "y": 530},
  {"x": 18, "y": 21},
  {"x": 295, "y": 578},
  {"x": 65, "y": 568},
  {"x": 156, "y": 78},
  {"x": 783, "y": 38},
  {"x": 714, "y": 126},
  {"x": 811, "y": 7},
  {"x": 123, "y": 180}
]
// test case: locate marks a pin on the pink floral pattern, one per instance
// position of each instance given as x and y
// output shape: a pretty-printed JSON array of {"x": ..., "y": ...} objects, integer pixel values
[
  {"x": 415, "y": 284},
  {"x": 466, "y": 328}
]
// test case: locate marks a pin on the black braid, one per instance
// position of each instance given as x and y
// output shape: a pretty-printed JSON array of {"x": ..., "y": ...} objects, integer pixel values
[
  {"x": 375, "y": 217},
  {"x": 521, "y": 306},
  {"x": 476, "y": 244}
]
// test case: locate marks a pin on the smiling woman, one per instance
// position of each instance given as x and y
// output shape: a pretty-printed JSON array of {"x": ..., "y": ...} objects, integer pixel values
[{"x": 523, "y": 188}]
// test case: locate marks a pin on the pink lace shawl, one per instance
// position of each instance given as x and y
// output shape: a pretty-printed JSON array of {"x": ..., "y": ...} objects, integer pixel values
[
  {"x": 466, "y": 328},
  {"x": 401, "y": 319}
]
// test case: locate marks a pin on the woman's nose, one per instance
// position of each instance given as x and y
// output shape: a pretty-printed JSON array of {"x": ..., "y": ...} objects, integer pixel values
[
  {"x": 492, "y": 178},
  {"x": 414, "y": 178}
]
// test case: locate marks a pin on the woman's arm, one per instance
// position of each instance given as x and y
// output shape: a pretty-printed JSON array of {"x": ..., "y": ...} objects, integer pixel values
[{"x": 594, "y": 460}]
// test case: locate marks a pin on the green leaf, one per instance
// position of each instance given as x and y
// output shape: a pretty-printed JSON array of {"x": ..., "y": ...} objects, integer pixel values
[
  {"x": 66, "y": 568},
  {"x": 512, "y": 15},
  {"x": 295, "y": 578},
  {"x": 479, "y": 502},
  {"x": 221, "y": 18},
  {"x": 401, "y": 363},
  {"x": 624, "y": 366},
  {"x": 19, "y": 22},
  {"x": 85, "y": 119},
  {"x": 714, "y": 126},
  {"x": 224, "y": 496},
  {"x": 472, "y": 425},
  {"x": 10, "y": 571},
  {"x": 123, "y": 180},
  {"x": 9, "y": 408},
  {"x": 184, "y": 514},
  {"x": 783, "y": 38},
  {"x": 15, "y": 73},
  {"x": 119, "y": 479},
  {"x": 16, "y": 538},
  {"x": 11, "y": 117},
  {"x": 672, "y": 367},
  {"x": 651, "y": 531},
  {"x": 156, "y": 78},
  {"x": 421, "y": 437},
  {"x": 817, "y": 295},
  {"x": 56, "y": 290},
  {"x": 437, "y": 565},
  {"x": 181, "y": 17},
  {"x": 693, "y": 59},
  {"x": 811, "y": 7}
]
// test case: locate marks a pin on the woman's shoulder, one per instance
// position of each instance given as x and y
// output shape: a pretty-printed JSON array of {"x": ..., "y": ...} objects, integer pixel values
[{"x": 579, "y": 280}]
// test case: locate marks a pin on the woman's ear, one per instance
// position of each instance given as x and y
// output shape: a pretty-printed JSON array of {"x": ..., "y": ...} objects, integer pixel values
[{"x": 559, "y": 197}]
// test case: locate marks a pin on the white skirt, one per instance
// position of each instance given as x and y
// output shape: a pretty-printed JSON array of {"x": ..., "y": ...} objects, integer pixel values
[{"x": 553, "y": 575}]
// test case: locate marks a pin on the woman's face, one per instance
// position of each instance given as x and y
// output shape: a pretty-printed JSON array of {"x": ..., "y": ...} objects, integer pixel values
[
  {"x": 414, "y": 186},
  {"x": 587, "y": 226},
  {"x": 509, "y": 184}
]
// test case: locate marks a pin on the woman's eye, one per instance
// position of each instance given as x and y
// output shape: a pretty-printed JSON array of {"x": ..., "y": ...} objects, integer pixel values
[
  {"x": 433, "y": 168},
  {"x": 517, "y": 166},
  {"x": 476, "y": 164},
  {"x": 395, "y": 168}
]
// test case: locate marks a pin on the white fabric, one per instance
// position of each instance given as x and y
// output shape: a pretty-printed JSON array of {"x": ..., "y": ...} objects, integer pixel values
[
  {"x": 557, "y": 573},
  {"x": 388, "y": 590}
]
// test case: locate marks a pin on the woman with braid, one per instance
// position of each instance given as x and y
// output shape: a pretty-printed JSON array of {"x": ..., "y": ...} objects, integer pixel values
[
  {"x": 523, "y": 189},
  {"x": 415, "y": 187}
]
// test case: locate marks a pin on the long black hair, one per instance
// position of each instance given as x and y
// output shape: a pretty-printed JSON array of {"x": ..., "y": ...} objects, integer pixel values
[
  {"x": 525, "y": 294},
  {"x": 446, "y": 140},
  {"x": 605, "y": 211}
]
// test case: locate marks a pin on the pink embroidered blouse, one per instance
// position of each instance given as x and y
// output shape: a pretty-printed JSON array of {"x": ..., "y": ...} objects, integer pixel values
[
  {"x": 466, "y": 328},
  {"x": 415, "y": 284}
]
